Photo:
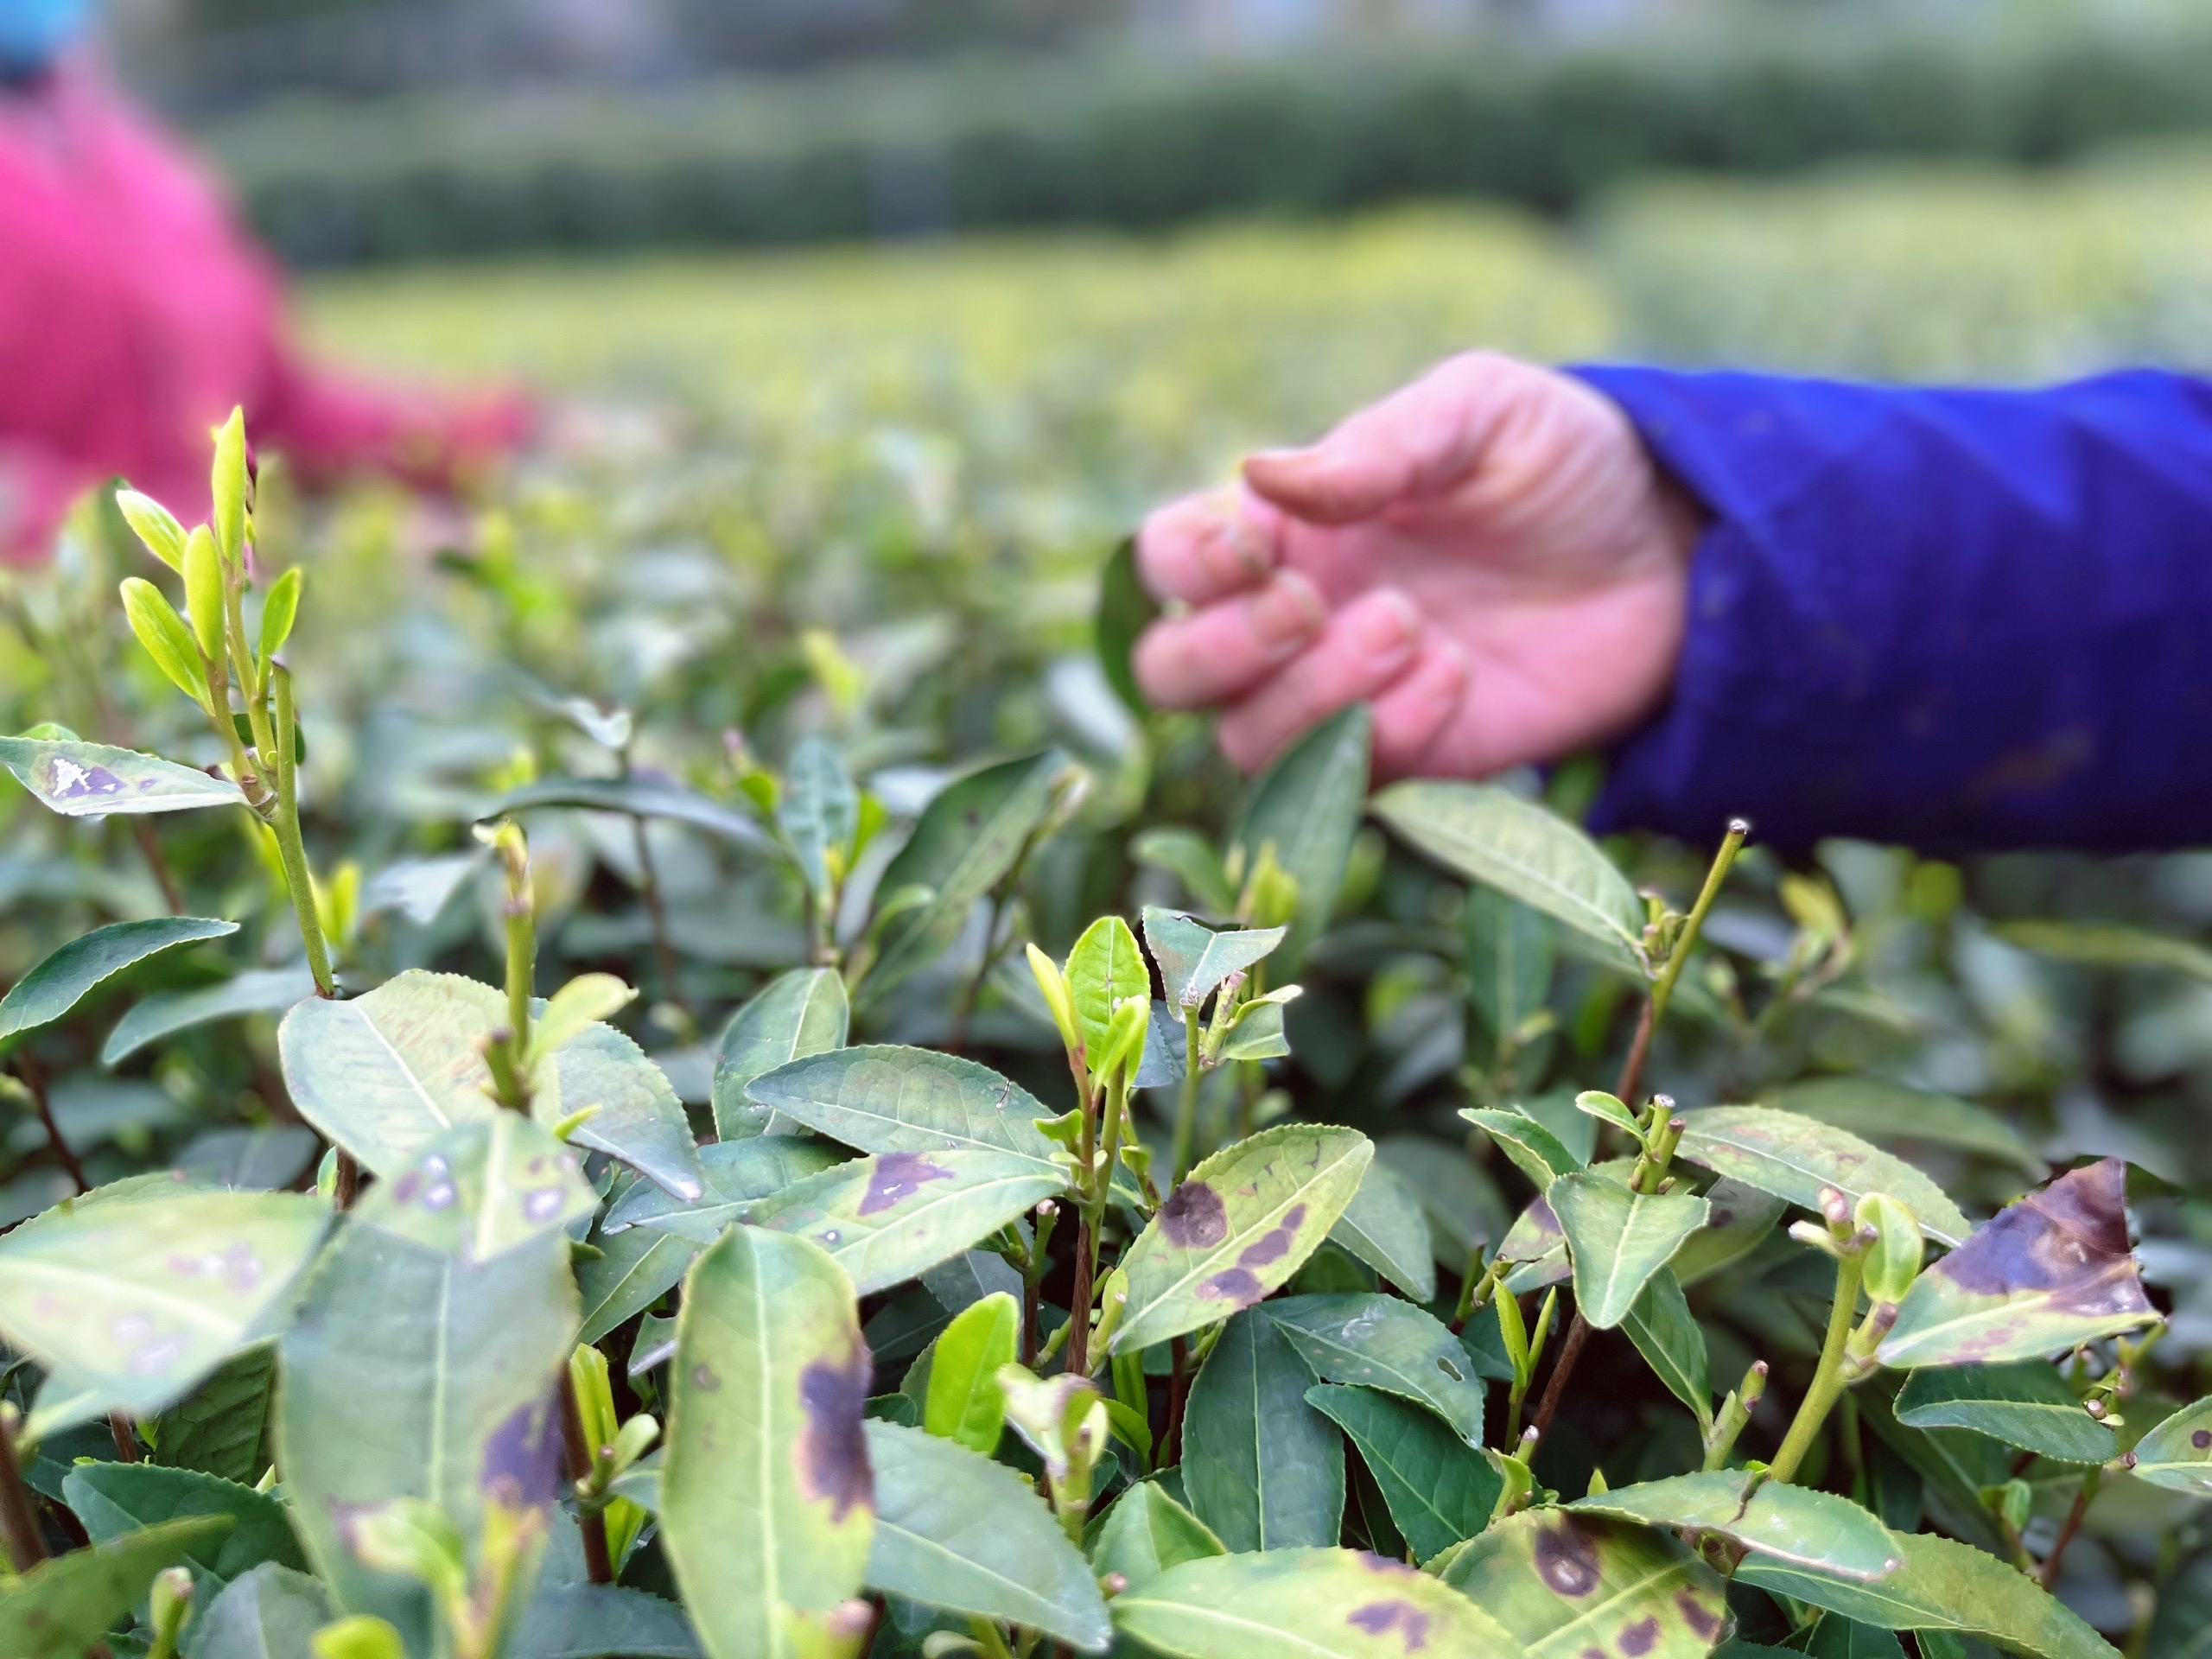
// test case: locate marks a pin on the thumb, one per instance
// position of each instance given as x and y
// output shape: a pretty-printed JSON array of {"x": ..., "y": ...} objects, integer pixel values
[{"x": 1420, "y": 439}]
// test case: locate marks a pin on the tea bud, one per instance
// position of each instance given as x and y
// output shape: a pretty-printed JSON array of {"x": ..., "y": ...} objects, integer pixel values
[{"x": 1893, "y": 1256}]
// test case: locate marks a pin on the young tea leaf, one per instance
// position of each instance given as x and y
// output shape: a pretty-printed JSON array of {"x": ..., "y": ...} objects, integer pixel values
[
  {"x": 2026, "y": 1404},
  {"x": 1439, "y": 1488},
  {"x": 1618, "y": 1239},
  {"x": 1671, "y": 1343},
  {"x": 1567, "y": 1585},
  {"x": 636, "y": 1115},
  {"x": 58, "y": 984},
  {"x": 1146, "y": 1532},
  {"x": 1794, "y": 1158},
  {"x": 154, "y": 525},
  {"x": 1263, "y": 1469},
  {"x": 1534, "y": 1150},
  {"x": 1308, "y": 806},
  {"x": 1239, "y": 1225},
  {"x": 90, "y": 780},
  {"x": 1104, "y": 970},
  {"x": 964, "y": 1402},
  {"x": 794, "y": 1015},
  {"x": 162, "y": 635},
  {"x": 2051, "y": 1272},
  {"x": 1194, "y": 959}
]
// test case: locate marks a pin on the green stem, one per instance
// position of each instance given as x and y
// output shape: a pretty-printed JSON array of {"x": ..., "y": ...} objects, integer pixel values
[
  {"x": 1731, "y": 845},
  {"x": 290, "y": 848},
  {"x": 1186, "y": 1104},
  {"x": 1828, "y": 1380}
]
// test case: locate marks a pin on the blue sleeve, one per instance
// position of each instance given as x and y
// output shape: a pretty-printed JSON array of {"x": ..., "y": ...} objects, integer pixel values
[{"x": 1960, "y": 619}]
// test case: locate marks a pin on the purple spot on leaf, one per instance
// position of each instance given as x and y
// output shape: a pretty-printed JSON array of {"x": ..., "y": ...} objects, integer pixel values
[
  {"x": 1640, "y": 1637},
  {"x": 1233, "y": 1285},
  {"x": 1703, "y": 1622},
  {"x": 1566, "y": 1559},
  {"x": 2070, "y": 1240},
  {"x": 899, "y": 1175},
  {"x": 1193, "y": 1217},
  {"x": 2201, "y": 1439},
  {"x": 832, "y": 1450},
  {"x": 1380, "y": 1618},
  {"x": 67, "y": 781},
  {"x": 522, "y": 1457},
  {"x": 543, "y": 1205}
]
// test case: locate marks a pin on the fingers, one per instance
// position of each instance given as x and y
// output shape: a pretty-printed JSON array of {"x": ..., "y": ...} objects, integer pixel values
[
  {"x": 1418, "y": 440},
  {"x": 1414, "y": 713},
  {"x": 1204, "y": 548},
  {"x": 1190, "y": 662},
  {"x": 1365, "y": 647}
]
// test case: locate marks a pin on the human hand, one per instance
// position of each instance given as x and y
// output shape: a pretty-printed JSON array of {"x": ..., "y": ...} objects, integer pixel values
[{"x": 1488, "y": 555}]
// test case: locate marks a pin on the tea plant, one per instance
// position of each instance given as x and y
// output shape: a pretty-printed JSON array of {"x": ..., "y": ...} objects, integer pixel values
[{"x": 1125, "y": 1341}]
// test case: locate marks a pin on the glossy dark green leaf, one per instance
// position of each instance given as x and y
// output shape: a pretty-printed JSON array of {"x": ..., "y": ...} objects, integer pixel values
[
  {"x": 258, "y": 991},
  {"x": 1146, "y": 1532},
  {"x": 1618, "y": 1239},
  {"x": 599, "y": 1621},
  {"x": 1236, "y": 1227},
  {"x": 1439, "y": 1488},
  {"x": 58, "y": 984},
  {"x": 1795, "y": 1157},
  {"x": 885, "y": 1219},
  {"x": 1776, "y": 1522},
  {"x": 955, "y": 1530},
  {"x": 1839, "y": 1638},
  {"x": 1873, "y": 1106},
  {"x": 1308, "y": 805},
  {"x": 768, "y": 1505},
  {"x": 61, "y": 1606},
  {"x": 1194, "y": 958},
  {"x": 221, "y": 1426},
  {"x": 964, "y": 844},
  {"x": 1317, "y": 1604},
  {"x": 819, "y": 815},
  {"x": 737, "y": 1174},
  {"x": 1385, "y": 1226},
  {"x": 794, "y": 1015},
  {"x": 1126, "y": 609},
  {"x": 638, "y": 795},
  {"x": 114, "y": 1500},
  {"x": 882, "y": 1098},
  {"x": 1943, "y": 1586},
  {"x": 1527, "y": 852},
  {"x": 1741, "y": 1216},
  {"x": 90, "y": 780},
  {"x": 1569, "y": 1586},
  {"x": 2053, "y": 1271},
  {"x": 2176, "y": 1454},
  {"x": 1263, "y": 1469},
  {"x": 272, "y": 1612},
  {"x": 1534, "y": 1150},
  {"x": 1382, "y": 1341},
  {"x": 1669, "y": 1337},
  {"x": 2026, "y": 1404}
]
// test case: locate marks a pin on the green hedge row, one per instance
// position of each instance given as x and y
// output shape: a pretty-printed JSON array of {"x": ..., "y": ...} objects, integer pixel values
[{"x": 999, "y": 142}]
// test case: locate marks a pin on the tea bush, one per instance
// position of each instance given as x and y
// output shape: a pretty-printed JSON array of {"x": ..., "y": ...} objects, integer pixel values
[{"x": 1046, "y": 1193}]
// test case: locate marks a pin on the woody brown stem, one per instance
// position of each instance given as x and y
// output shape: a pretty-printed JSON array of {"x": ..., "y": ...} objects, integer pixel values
[{"x": 599, "y": 1565}]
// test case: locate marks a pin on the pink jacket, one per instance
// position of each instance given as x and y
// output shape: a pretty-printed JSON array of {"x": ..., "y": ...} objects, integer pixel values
[{"x": 135, "y": 312}]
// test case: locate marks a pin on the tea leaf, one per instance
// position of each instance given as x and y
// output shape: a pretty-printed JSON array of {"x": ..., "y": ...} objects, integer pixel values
[
  {"x": 1263, "y": 1469},
  {"x": 1511, "y": 951},
  {"x": 164, "y": 1013},
  {"x": 89, "y": 780},
  {"x": 1194, "y": 959},
  {"x": 599, "y": 1621},
  {"x": 1239, "y": 1225},
  {"x": 582, "y": 1000},
  {"x": 1104, "y": 969},
  {"x": 1190, "y": 858},
  {"x": 1795, "y": 1157},
  {"x": 2027, "y": 1405},
  {"x": 137, "y": 1295},
  {"x": 1742, "y": 1215},
  {"x": 279, "y": 610},
  {"x": 61, "y": 1606},
  {"x": 220, "y": 1427},
  {"x": 737, "y": 1174},
  {"x": 420, "y": 888},
  {"x": 965, "y": 1403},
  {"x": 634, "y": 1270},
  {"x": 1383, "y": 1343},
  {"x": 2108, "y": 946},
  {"x": 884, "y": 1220},
  {"x": 881, "y": 1098},
  {"x": 1534, "y": 1150},
  {"x": 955, "y": 1530},
  {"x": 2050, "y": 1272},
  {"x": 1308, "y": 805},
  {"x": 639, "y": 794},
  {"x": 2176, "y": 1454},
  {"x": 1618, "y": 1239},
  {"x": 114, "y": 1500},
  {"x": 639, "y": 1119},
  {"x": 1870, "y": 1106},
  {"x": 162, "y": 635},
  {"x": 384, "y": 1074},
  {"x": 65, "y": 978},
  {"x": 1439, "y": 1488},
  {"x": 1672, "y": 1342},
  {"x": 272, "y": 1612},
  {"x": 1146, "y": 1532},
  {"x": 1773, "y": 1520},
  {"x": 1385, "y": 1227},
  {"x": 965, "y": 842},
  {"x": 1569, "y": 1584},
  {"x": 1493, "y": 837},
  {"x": 1839, "y": 1638},
  {"x": 422, "y": 1366},
  {"x": 767, "y": 1503},
  {"x": 1330, "y": 1604},
  {"x": 156, "y": 526},
  {"x": 1944, "y": 1586},
  {"x": 1126, "y": 609},
  {"x": 819, "y": 814},
  {"x": 794, "y": 1015}
]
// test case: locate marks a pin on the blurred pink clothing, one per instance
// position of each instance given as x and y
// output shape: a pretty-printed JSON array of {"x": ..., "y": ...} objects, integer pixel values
[{"x": 135, "y": 312}]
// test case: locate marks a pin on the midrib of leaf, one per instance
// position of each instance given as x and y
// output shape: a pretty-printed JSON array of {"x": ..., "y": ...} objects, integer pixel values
[
  {"x": 1374, "y": 1453},
  {"x": 400, "y": 1060},
  {"x": 1028, "y": 1596},
  {"x": 637, "y": 1268}
]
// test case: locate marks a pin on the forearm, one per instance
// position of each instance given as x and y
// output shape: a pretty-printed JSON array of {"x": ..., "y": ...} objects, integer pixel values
[{"x": 1959, "y": 619}]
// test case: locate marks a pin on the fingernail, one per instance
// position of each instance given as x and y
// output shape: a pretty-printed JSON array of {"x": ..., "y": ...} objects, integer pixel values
[
  {"x": 1385, "y": 624},
  {"x": 1285, "y": 612}
]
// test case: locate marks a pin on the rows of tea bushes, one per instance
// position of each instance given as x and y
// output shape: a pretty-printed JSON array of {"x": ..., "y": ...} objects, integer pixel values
[{"x": 1142, "y": 144}]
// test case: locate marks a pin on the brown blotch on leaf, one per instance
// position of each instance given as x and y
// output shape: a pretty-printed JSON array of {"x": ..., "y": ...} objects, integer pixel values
[
  {"x": 1640, "y": 1637},
  {"x": 1566, "y": 1559},
  {"x": 832, "y": 1451},
  {"x": 899, "y": 1175},
  {"x": 1193, "y": 1217},
  {"x": 2070, "y": 1240},
  {"x": 1380, "y": 1617},
  {"x": 1703, "y": 1623}
]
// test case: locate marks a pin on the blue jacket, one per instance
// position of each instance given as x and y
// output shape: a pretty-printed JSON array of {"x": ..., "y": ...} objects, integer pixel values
[{"x": 1955, "y": 618}]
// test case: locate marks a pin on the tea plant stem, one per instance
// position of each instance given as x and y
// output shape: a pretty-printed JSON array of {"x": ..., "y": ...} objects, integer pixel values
[
  {"x": 1578, "y": 1333},
  {"x": 121, "y": 1430},
  {"x": 290, "y": 846},
  {"x": 656, "y": 913},
  {"x": 599, "y": 1565},
  {"x": 149, "y": 848},
  {"x": 1187, "y": 1103},
  {"x": 26, "y": 1545},
  {"x": 1828, "y": 1380},
  {"x": 32, "y": 1076},
  {"x": 1730, "y": 844},
  {"x": 1179, "y": 1386},
  {"x": 2090, "y": 1482}
]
